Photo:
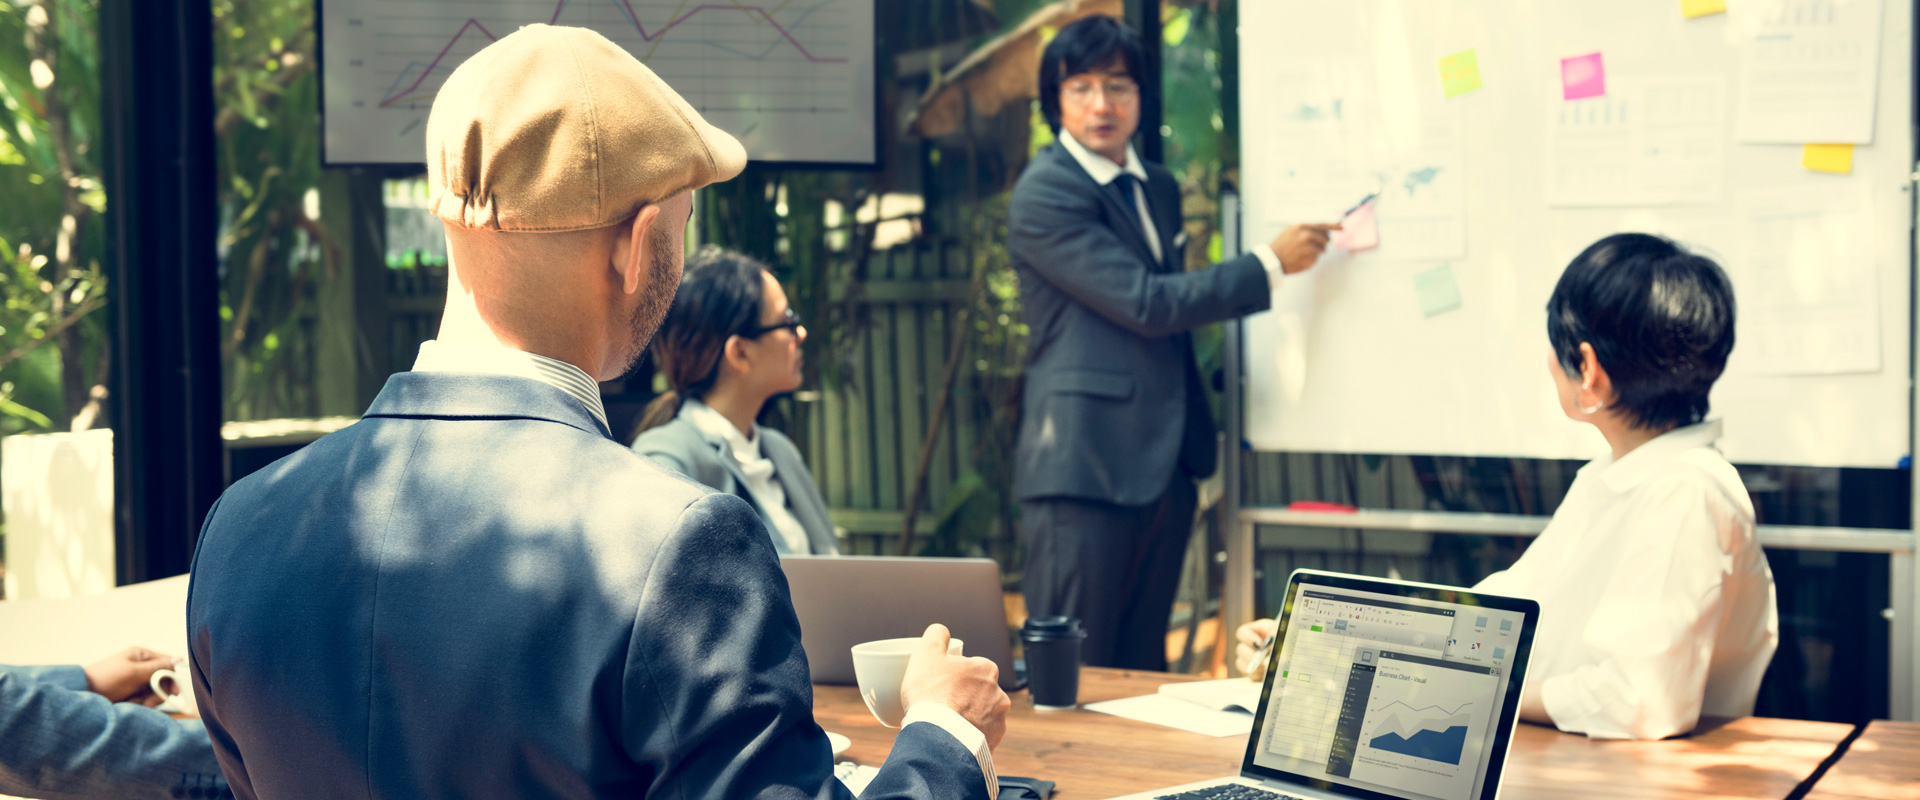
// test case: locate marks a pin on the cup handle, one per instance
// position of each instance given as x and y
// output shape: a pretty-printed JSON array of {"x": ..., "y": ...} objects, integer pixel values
[{"x": 160, "y": 676}]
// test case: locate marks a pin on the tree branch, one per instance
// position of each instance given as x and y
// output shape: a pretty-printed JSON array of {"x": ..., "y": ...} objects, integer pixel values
[{"x": 86, "y": 307}]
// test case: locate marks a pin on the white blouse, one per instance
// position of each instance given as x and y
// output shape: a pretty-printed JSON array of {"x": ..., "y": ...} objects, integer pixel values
[{"x": 1656, "y": 603}]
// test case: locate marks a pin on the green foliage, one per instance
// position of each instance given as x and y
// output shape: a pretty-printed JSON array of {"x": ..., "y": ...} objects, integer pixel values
[
  {"x": 274, "y": 252},
  {"x": 51, "y": 342}
]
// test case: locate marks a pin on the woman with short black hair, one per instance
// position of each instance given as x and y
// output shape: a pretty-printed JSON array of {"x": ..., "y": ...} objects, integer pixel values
[
  {"x": 1656, "y": 603},
  {"x": 729, "y": 344}
]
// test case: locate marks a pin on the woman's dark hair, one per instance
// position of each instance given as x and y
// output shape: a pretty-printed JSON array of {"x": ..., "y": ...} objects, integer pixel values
[
  {"x": 1660, "y": 320},
  {"x": 1087, "y": 44},
  {"x": 719, "y": 298}
]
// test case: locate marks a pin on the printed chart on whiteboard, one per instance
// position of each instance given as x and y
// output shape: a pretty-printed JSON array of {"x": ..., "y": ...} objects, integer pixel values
[{"x": 793, "y": 79}]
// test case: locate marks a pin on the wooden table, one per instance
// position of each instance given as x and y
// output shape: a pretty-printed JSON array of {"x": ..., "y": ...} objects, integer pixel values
[
  {"x": 1092, "y": 755},
  {"x": 1883, "y": 763}
]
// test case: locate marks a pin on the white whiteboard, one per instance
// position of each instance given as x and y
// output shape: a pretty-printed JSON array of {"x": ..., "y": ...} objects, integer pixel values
[
  {"x": 793, "y": 81},
  {"x": 1340, "y": 98}
]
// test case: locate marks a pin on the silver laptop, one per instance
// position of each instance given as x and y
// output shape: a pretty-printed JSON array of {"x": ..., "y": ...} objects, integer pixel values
[
  {"x": 845, "y": 600},
  {"x": 1383, "y": 689}
]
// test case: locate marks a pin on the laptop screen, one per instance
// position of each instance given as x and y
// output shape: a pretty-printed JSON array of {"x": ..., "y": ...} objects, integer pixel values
[{"x": 1379, "y": 689}]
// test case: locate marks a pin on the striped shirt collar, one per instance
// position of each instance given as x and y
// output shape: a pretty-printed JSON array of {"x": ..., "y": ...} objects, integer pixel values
[{"x": 438, "y": 356}]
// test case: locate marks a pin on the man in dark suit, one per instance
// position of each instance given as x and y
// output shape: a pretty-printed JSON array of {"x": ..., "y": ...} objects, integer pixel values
[
  {"x": 475, "y": 591},
  {"x": 1115, "y": 426}
]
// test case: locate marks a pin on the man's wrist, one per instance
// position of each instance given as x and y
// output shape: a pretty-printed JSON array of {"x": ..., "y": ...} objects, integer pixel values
[
  {"x": 1270, "y": 259},
  {"x": 944, "y": 717}
]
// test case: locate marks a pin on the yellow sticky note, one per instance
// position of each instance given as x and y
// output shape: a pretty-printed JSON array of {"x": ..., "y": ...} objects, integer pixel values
[
  {"x": 1834, "y": 158},
  {"x": 1459, "y": 73},
  {"x": 1700, "y": 8}
]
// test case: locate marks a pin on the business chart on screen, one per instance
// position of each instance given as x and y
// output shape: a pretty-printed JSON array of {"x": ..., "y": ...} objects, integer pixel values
[
  {"x": 792, "y": 79},
  {"x": 1389, "y": 693}
]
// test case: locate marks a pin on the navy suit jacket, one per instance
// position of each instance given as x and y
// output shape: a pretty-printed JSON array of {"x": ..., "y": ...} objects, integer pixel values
[
  {"x": 58, "y": 740},
  {"x": 1113, "y": 400},
  {"x": 475, "y": 592}
]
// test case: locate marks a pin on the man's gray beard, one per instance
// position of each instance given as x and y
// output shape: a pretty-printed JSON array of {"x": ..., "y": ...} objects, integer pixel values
[{"x": 662, "y": 284}]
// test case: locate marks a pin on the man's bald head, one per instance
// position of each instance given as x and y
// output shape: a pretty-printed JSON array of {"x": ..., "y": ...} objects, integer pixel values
[{"x": 597, "y": 295}]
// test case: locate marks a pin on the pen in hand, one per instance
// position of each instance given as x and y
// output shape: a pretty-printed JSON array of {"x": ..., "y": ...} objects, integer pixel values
[{"x": 1261, "y": 653}]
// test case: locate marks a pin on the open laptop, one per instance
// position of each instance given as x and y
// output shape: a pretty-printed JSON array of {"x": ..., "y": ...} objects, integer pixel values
[
  {"x": 845, "y": 600},
  {"x": 1383, "y": 689}
]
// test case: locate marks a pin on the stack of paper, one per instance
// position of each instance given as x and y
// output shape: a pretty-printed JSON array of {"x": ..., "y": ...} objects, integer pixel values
[
  {"x": 1210, "y": 708},
  {"x": 1232, "y": 694}
]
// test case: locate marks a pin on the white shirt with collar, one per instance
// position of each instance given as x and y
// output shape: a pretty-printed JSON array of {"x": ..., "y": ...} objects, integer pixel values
[
  {"x": 438, "y": 356},
  {"x": 761, "y": 481},
  {"x": 494, "y": 359},
  {"x": 1656, "y": 602},
  {"x": 1103, "y": 171}
]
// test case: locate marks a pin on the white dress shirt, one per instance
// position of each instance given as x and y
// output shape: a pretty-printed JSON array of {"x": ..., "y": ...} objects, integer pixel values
[
  {"x": 1656, "y": 603},
  {"x": 493, "y": 359},
  {"x": 765, "y": 486},
  {"x": 1103, "y": 171},
  {"x": 437, "y": 356}
]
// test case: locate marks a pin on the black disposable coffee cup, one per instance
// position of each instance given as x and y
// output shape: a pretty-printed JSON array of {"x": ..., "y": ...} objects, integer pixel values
[{"x": 1053, "y": 660}]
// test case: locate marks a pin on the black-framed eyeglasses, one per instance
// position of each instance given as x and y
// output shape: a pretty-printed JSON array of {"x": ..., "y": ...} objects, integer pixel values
[{"x": 790, "y": 321}]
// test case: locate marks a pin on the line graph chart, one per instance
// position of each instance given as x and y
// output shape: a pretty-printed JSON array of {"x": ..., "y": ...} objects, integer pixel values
[{"x": 793, "y": 79}]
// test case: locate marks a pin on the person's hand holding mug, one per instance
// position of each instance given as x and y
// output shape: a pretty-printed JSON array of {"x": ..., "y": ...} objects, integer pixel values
[
  {"x": 1255, "y": 644},
  {"x": 124, "y": 676},
  {"x": 1299, "y": 246},
  {"x": 970, "y": 686}
]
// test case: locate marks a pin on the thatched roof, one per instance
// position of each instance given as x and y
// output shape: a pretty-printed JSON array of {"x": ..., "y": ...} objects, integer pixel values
[{"x": 1002, "y": 71}]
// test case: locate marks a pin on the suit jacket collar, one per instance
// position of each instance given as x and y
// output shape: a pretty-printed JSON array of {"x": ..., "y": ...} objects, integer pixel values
[
  {"x": 723, "y": 450},
  {"x": 787, "y": 466},
  {"x": 1132, "y": 233},
  {"x": 813, "y": 516},
  {"x": 466, "y": 395}
]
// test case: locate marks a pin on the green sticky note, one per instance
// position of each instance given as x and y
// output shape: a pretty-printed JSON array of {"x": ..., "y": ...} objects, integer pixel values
[
  {"x": 1459, "y": 73},
  {"x": 1437, "y": 290}
]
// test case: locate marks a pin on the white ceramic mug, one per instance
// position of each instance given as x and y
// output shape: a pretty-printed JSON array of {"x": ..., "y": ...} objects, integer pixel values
[
  {"x": 879, "y": 666},
  {"x": 181, "y": 700}
]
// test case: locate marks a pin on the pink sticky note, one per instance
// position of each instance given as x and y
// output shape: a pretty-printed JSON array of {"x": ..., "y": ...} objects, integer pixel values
[
  {"x": 1582, "y": 77},
  {"x": 1359, "y": 231}
]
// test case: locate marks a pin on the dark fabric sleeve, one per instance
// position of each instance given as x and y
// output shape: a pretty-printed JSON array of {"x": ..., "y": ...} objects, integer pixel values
[
  {"x": 60, "y": 743},
  {"x": 717, "y": 701},
  {"x": 1054, "y": 228},
  {"x": 199, "y": 654}
]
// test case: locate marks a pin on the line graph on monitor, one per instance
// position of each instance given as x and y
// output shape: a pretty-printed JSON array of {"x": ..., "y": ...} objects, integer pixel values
[
  {"x": 1437, "y": 736},
  {"x": 793, "y": 79}
]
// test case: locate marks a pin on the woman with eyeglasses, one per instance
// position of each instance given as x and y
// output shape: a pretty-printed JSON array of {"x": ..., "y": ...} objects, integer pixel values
[{"x": 730, "y": 343}]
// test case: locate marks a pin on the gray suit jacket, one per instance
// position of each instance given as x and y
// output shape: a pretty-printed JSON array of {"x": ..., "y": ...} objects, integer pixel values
[
  {"x": 682, "y": 447},
  {"x": 474, "y": 592},
  {"x": 1113, "y": 400},
  {"x": 58, "y": 740}
]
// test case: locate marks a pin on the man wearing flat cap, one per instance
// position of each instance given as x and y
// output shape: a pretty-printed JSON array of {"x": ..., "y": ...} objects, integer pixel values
[{"x": 475, "y": 591}]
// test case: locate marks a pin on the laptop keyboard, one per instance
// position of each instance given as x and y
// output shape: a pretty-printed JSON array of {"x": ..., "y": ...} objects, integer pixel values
[{"x": 1232, "y": 791}]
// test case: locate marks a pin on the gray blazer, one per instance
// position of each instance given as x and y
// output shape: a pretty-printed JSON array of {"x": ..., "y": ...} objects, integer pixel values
[
  {"x": 59, "y": 740},
  {"x": 1113, "y": 399},
  {"x": 682, "y": 447}
]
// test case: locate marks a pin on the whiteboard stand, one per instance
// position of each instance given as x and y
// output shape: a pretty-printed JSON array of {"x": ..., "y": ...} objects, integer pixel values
[{"x": 1238, "y": 603}]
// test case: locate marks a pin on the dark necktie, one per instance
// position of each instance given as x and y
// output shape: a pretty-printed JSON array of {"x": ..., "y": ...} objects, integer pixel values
[{"x": 1122, "y": 188}]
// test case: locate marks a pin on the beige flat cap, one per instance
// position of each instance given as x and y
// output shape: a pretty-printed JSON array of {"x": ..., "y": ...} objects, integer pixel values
[{"x": 556, "y": 129}]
